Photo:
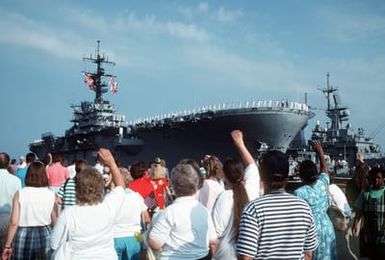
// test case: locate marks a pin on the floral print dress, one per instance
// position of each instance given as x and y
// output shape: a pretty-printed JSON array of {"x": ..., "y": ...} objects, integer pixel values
[{"x": 317, "y": 197}]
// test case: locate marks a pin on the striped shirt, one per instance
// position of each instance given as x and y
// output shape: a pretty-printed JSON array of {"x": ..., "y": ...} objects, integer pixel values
[
  {"x": 277, "y": 225},
  {"x": 67, "y": 192}
]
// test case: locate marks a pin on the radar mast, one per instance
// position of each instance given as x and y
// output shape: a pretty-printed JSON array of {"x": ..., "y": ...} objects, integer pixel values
[{"x": 95, "y": 79}]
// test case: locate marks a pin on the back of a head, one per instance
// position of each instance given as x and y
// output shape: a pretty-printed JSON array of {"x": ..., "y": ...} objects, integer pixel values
[
  {"x": 137, "y": 170},
  {"x": 30, "y": 158},
  {"x": 163, "y": 162},
  {"x": 80, "y": 165},
  {"x": 4, "y": 160},
  {"x": 274, "y": 168},
  {"x": 191, "y": 162},
  {"x": 126, "y": 175},
  {"x": 213, "y": 166},
  {"x": 56, "y": 157},
  {"x": 36, "y": 175},
  {"x": 157, "y": 171},
  {"x": 233, "y": 170},
  {"x": 308, "y": 171},
  {"x": 184, "y": 180},
  {"x": 89, "y": 187}
]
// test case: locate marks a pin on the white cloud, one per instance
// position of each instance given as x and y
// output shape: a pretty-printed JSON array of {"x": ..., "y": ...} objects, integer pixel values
[
  {"x": 226, "y": 16},
  {"x": 148, "y": 25},
  {"x": 186, "y": 31},
  {"x": 20, "y": 30}
]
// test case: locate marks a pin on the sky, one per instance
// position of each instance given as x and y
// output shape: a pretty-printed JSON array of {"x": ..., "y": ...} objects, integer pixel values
[{"x": 176, "y": 55}]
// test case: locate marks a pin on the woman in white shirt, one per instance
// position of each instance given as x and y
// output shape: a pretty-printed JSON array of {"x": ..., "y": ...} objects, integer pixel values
[
  {"x": 184, "y": 230},
  {"x": 85, "y": 231},
  {"x": 242, "y": 186},
  {"x": 211, "y": 186},
  {"x": 29, "y": 230}
]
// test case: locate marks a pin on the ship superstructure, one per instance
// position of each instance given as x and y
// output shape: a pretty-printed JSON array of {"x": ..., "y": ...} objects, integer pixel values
[
  {"x": 186, "y": 134},
  {"x": 338, "y": 139}
]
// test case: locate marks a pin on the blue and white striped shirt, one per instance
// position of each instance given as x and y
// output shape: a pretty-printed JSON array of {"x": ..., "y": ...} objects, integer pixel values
[{"x": 277, "y": 225}]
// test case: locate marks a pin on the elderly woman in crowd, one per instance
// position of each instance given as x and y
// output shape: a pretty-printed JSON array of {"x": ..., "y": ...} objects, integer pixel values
[
  {"x": 184, "y": 230},
  {"x": 29, "y": 230},
  {"x": 242, "y": 185},
  {"x": 85, "y": 230}
]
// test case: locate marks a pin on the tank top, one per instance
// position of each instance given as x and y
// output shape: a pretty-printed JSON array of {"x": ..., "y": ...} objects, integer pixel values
[{"x": 36, "y": 205}]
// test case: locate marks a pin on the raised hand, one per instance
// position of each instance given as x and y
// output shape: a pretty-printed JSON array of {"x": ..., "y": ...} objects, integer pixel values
[
  {"x": 317, "y": 147},
  {"x": 106, "y": 157},
  {"x": 237, "y": 136}
]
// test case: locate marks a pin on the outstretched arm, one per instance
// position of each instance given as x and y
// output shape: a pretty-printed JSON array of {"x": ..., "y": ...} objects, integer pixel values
[
  {"x": 237, "y": 136},
  {"x": 108, "y": 160},
  {"x": 317, "y": 147}
]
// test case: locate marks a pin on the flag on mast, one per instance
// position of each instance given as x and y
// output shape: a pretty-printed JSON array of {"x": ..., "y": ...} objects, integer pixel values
[
  {"x": 113, "y": 85},
  {"x": 89, "y": 80}
]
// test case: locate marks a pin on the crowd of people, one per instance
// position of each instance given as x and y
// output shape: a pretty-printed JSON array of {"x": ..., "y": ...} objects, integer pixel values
[{"x": 235, "y": 209}]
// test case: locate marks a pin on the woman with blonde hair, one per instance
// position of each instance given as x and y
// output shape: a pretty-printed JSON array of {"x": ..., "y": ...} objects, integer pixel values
[{"x": 159, "y": 182}]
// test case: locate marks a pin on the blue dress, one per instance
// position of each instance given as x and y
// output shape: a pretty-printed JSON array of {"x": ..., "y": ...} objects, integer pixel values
[{"x": 317, "y": 197}]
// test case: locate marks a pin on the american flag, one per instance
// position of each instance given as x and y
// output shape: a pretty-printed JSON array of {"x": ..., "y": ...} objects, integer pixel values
[
  {"x": 150, "y": 201},
  {"x": 113, "y": 85},
  {"x": 89, "y": 80}
]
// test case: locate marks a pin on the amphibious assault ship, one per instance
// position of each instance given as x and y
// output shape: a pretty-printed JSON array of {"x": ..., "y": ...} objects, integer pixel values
[{"x": 188, "y": 134}]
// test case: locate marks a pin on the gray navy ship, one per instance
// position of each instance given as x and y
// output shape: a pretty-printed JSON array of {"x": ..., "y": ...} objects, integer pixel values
[
  {"x": 339, "y": 139},
  {"x": 186, "y": 134}
]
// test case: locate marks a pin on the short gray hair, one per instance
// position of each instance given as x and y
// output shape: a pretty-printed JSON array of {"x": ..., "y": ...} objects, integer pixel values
[{"x": 184, "y": 180}]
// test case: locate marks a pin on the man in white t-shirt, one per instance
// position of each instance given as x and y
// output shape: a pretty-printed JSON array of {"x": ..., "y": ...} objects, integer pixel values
[{"x": 9, "y": 184}]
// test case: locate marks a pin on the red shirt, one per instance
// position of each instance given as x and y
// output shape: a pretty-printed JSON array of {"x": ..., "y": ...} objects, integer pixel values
[
  {"x": 142, "y": 186},
  {"x": 160, "y": 186}
]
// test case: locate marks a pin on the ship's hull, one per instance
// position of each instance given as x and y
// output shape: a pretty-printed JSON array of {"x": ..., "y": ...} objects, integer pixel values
[{"x": 206, "y": 133}]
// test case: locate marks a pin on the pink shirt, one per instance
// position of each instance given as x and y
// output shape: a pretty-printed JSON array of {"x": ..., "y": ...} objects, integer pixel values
[{"x": 56, "y": 174}]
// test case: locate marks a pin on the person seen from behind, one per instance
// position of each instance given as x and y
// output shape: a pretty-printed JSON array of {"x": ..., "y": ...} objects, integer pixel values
[
  {"x": 277, "y": 225},
  {"x": 142, "y": 185},
  {"x": 212, "y": 185},
  {"x": 315, "y": 193},
  {"x": 85, "y": 230},
  {"x": 159, "y": 182},
  {"x": 22, "y": 172},
  {"x": 66, "y": 195},
  {"x": 56, "y": 173},
  {"x": 183, "y": 230},
  {"x": 29, "y": 230},
  {"x": 9, "y": 185},
  {"x": 127, "y": 226},
  {"x": 242, "y": 186}
]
